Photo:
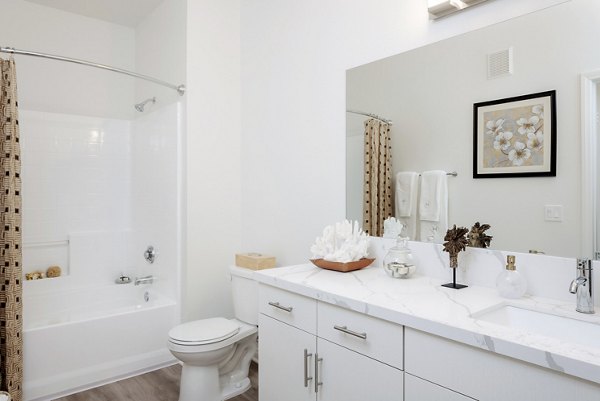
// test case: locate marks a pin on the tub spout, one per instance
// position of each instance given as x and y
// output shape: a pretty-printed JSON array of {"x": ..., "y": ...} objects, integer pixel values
[{"x": 144, "y": 280}]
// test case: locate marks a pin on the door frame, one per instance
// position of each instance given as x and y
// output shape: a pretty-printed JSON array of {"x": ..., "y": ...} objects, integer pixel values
[{"x": 589, "y": 141}]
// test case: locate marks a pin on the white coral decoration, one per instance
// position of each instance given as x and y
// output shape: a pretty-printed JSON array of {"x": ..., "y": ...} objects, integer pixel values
[
  {"x": 392, "y": 228},
  {"x": 343, "y": 242}
]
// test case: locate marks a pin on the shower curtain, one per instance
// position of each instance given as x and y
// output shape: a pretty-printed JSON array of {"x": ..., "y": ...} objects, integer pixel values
[
  {"x": 377, "y": 200},
  {"x": 11, "y": 338}
]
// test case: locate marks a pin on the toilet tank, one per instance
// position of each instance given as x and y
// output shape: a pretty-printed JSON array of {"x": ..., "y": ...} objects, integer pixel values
[{"x": 244, "y": 291}]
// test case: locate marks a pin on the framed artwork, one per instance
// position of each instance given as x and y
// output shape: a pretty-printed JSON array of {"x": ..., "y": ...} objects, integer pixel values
[{"x": 515, "y": 137}]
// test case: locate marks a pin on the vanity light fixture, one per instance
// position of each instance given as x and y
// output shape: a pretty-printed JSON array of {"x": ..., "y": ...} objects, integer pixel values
[{"x": 441, "y": 8}]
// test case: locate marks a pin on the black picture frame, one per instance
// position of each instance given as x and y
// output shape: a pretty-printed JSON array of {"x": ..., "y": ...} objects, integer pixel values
[{"x": 511, "y": 138}]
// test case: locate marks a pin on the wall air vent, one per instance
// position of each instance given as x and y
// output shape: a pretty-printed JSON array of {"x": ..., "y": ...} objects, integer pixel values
[
  {"x": 500, "y": 64},
  {"x": 441, "y": 8}
]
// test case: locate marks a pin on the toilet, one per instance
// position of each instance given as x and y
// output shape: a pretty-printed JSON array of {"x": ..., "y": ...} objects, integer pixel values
[{"x": 216, "y": 352}]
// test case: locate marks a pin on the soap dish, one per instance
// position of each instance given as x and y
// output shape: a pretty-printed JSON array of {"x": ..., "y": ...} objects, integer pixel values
[{"x": 342, "y": 267}]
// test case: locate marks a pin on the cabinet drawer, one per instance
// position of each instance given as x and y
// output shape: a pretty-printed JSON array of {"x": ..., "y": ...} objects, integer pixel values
[
  {"x": 376, "y": 338},
  {"x": 487, "y": 376},
  {"x": 416, "y": 389},
  {"x": 296, "y": 310}
]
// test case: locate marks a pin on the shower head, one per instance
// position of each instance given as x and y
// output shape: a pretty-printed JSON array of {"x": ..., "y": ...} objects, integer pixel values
[{"x": 140, "y": 106}]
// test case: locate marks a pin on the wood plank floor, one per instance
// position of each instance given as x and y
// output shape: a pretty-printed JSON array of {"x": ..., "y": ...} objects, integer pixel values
[{"x": 160, "y": 385}]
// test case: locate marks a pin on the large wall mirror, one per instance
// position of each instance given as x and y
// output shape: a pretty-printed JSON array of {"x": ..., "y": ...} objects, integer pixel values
[{"x": 429, "y": 94}]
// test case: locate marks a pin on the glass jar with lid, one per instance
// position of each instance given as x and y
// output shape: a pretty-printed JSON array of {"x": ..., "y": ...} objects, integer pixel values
[{"x": 399, "y": 261}]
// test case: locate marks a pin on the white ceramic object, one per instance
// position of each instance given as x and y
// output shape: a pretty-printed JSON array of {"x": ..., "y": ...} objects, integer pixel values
[{"x": 216, "y": 352}]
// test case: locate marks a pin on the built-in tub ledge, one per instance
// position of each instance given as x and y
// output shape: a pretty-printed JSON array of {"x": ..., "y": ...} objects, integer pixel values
[{"x": 465, "y": 316}]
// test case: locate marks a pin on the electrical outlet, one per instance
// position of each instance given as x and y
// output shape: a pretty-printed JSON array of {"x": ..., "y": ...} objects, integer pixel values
[{"x": 553, "y": 212}]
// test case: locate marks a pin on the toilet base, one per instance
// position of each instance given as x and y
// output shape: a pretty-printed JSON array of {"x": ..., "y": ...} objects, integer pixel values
[
  {"x": 231, "y": 391},
  {"x": 199, "y": 383},
  {"x": 203, "y": 381}
]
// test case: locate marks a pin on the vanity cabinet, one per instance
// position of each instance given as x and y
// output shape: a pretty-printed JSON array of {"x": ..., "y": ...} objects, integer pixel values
[
  {"x": 282, "y": 370},
  {"x": 287, "y": 344},
  {"x": 349, "y": 376},
  {"x": 340, "y": 358},
  {"x": 484, "y": 375}
]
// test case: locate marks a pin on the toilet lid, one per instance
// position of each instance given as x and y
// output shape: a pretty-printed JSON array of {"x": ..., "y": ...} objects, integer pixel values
[{"x": 204, "y": 331}]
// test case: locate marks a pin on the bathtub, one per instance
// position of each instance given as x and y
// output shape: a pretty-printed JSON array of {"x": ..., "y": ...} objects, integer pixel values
[{"x": 77, "y": 339}]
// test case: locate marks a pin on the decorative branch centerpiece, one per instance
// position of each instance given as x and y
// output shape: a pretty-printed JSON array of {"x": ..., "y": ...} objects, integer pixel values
[
  {"x": 477, "y": 236},
  {"x": 456, "y": 241}
]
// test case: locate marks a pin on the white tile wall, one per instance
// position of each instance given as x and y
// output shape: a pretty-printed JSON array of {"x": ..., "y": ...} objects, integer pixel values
[
  {"x": 76, "y": 174},
  {"x": 154, "y": 194},
  {"x": 109, "y": 187}
]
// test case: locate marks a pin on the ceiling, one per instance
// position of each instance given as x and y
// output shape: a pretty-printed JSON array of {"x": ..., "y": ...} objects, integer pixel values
[{"x": 123, "y": 12}]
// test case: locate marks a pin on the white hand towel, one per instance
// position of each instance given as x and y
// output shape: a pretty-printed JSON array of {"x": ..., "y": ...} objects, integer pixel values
[
  {"x": 407, "y": 183},
  {"x": 433, "y": 206},
  {"x": 406, "y": 193}
]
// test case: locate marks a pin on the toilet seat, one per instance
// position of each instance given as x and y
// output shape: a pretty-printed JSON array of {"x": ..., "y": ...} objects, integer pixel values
[{"x": 202, "y": 332}]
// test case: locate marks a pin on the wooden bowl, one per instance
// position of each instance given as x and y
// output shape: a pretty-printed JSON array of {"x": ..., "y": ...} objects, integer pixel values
[{"x": 342, "y": 267}]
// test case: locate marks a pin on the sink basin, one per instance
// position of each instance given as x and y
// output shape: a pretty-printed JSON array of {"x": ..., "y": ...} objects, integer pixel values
[{"x": 546, "y": 324}]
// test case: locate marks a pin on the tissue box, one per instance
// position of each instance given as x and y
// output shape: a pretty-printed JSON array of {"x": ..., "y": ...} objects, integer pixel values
[{"x": 254, "y": 261}]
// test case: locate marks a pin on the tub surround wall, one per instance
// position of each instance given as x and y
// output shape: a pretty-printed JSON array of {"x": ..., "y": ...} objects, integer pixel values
[
  {"x": 155, "y": 193},
  {"x": 76, "y": 194}
]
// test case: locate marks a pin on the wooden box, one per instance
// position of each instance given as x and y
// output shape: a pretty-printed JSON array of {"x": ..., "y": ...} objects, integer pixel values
[{"x": 254, "y": 261}]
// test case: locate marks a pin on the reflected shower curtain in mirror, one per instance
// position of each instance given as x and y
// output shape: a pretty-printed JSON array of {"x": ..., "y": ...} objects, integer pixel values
[
  {"x": 377, "y": 200},
  {"x": 11, "y": 339}
]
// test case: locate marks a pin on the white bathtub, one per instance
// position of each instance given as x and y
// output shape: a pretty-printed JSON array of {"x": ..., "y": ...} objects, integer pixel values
[{"x": 77, "y": 339}]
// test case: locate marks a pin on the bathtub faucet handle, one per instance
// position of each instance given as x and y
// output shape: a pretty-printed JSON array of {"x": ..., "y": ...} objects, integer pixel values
[
  {"x": 123, "y": 279},
  {"x": 150, "y": 254}
]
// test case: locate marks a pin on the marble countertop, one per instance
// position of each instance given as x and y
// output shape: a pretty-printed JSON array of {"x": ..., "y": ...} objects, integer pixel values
[{"x": 421, "y": 303}]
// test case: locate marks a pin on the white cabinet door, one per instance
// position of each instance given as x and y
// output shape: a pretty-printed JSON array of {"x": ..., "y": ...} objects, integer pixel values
[
  {"x": 348, "y": 376},
  {"x": 416, "y": 389},
  {"x": 282, "y": 368}
]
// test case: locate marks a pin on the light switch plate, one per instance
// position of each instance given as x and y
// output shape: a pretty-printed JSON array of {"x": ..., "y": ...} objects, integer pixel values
[{"x": 553, "y": 212}]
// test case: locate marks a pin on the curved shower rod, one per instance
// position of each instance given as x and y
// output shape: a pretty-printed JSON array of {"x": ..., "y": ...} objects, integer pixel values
[
  {"x": 375, "y": 116},
  {"x": 179, "y": 88}
]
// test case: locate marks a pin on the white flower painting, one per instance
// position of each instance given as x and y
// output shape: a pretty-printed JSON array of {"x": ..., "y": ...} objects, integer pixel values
[
  {"x": 507, "y": 149},
  {"x": 513, "y": 137}
]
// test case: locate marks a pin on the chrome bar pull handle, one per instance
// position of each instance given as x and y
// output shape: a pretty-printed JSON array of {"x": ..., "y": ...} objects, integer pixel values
[
  {"x": 283, "y": 308},
  {"x": 344, "y": 329},
  {"x": 307, "y": 378},
  {"x": 317, "y": 382}
]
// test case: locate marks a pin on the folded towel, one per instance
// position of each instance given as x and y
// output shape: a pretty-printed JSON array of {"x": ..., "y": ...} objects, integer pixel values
[
  {"x": 407, "y": 184},
  {"x": 434, "y": 194},
  {"x": 433, "y": 206},
  {"x": 406, "y": 193}
]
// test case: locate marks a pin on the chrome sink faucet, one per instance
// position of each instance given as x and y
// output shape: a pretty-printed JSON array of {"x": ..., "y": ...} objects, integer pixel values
[
  {"x": 582, "y": 286},
  {"x": 144, "y": 280}
]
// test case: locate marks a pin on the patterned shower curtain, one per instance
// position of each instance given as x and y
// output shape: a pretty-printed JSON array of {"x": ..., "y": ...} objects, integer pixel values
[
  {"x": 11, "y": 339},
  {"x": 377, "y": 201}
]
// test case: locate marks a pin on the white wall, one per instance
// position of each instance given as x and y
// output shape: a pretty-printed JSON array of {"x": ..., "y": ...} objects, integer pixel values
[
  {"x": 54, "y": 86},
  {"x": 429, "y": 93},
  {"x": 160, "y": 51},
  {"x": 158, "y": 133},
  {"x": 294, "y": 57},
  {"x": 213, "y": 154}
]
